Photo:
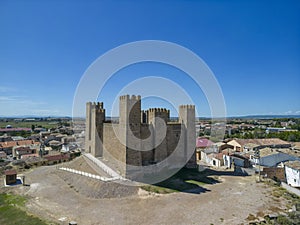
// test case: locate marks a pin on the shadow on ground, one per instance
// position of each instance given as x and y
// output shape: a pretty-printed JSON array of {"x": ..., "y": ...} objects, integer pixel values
[
  {"x": 18, "y": 182},
  {"x": 211, "y": 172},
  {"x": 189, "y": 181}
]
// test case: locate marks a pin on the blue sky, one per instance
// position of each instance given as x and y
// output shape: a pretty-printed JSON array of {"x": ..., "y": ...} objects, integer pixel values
[{"x": 252, "y": 47}]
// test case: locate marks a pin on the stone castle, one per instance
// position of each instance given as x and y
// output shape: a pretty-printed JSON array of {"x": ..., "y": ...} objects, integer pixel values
[{"x": 140, "y": 137}]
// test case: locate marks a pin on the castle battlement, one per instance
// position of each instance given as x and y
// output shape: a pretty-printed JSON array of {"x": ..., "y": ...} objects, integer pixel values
[
  {"x": 159, "y": 110},
  {"x": 128, "y": 97},
  {"x": 187, "y": 106},
  {"x": 135, "y": 97},
  {"x": 124, "y": 97},
  {"x": 95, "y": 105}
]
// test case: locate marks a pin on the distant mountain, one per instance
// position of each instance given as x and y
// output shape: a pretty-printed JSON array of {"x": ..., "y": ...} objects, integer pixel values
[
  {"x": 265, "y": 116},
  {"x": 257, "y": 117},
  {"x": 32, "y": 117}
]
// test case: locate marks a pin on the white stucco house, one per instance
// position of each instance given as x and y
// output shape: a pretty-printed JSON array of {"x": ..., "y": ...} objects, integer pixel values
[
  {"x": 292, "y": 173},
  {"x": 212, "y": 158}
]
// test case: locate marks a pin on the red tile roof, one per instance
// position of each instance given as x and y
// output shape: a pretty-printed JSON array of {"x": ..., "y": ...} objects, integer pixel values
[
  {"x": 29, "y": 155},
  {"x": 7, "y": 144},
  {"x": 293, "y": 164},
  {"x": 219, "y": 156},
  {"x": 10, "y": 172},
  {"x": 262, "y": 142},
  {"x": 14, "y": 129},
  {"x": 23, "y": 149},
  {"x": 57, "y": 157},
  {"x": 203, "y": 142}
]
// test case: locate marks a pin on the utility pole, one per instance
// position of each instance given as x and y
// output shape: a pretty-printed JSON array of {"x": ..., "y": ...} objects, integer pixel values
[
  {"x": 42, "y": 147},
  {"x": 257, "y": 156}
]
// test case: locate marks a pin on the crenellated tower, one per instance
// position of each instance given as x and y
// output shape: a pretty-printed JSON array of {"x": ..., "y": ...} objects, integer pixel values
[
  {"x": 130, "y": 127},
  {"x": 95, "y": 117},
  {"x": 187, "y": 120},
  {"x": 158, "y": 118},
  {"x": 162, "y": 113}
]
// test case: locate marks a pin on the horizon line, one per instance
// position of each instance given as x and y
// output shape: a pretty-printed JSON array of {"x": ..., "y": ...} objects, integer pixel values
[{"x": 206, "y": 117}]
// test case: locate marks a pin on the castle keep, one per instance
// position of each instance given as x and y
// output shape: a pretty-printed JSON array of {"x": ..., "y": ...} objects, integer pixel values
[{"x": 141, "y": 137}]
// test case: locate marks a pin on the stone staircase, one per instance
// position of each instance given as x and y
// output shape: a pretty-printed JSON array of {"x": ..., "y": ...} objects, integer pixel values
[{"x": 96, "y": 162}]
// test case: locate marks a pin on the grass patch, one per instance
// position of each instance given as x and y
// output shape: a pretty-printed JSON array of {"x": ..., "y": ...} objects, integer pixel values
[
  {"x": 277, "y": 193},
  {"x": 28, "y": 124},
  {"x": 12, "y": 211},
  {"x": 251, "y": 217},
  {"x": 199, "y": 183},
  {"x": 157, "y": 189},
  {"x": 12, "y": 200},
  {"x": 260, "y": 214},
  {"x": 293, "y": 200},
  {"x": 282, "y": 192}
]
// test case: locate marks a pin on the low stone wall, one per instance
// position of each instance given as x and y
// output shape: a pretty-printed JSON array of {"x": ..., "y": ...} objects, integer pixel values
[
  {"x": 290, "y": 189},
  {"x": 89, "y": 174},
  {"x": 274, "y": 173}
]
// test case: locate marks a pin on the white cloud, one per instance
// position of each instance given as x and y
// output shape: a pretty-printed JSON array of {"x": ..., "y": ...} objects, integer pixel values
[
  {"x": 18, "y": 100},
  {"x": 7, "y": 98},
  {"x": 6, "y": 89},
  {"x": 45, "y": 112},
  {"x": 14, "y": 103},
  {"x": 30, "y": 102}
]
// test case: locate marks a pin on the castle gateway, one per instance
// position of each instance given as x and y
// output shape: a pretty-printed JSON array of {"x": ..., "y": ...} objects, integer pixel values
[{"x": 141, "y": 137}]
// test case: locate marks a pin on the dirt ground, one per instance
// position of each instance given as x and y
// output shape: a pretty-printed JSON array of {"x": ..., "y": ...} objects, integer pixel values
[{"x": 228, "y": 202}]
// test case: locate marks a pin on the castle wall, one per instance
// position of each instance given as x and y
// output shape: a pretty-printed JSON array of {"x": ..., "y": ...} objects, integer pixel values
[
  {"x": 173, "y": 136},
  {"x": 127, "y": 147},
  {"x": 160, "y": 152},
  {"x": 147, "y": 156},
  {"x": 175, "y": 140},
  {"x": 158, "y": 118},
  {"x": 168, "y": 144},
  {"x": 113, "y": 150}
]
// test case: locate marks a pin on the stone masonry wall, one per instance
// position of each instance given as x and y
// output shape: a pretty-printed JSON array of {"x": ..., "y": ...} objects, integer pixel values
[{"x": 113, "y": 150}]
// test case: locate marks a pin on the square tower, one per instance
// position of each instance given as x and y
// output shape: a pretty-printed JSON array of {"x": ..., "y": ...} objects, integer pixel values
[
  {"x": 130, "y": 128},
  {"x": 187, "y": 120},
  {"x": 95, "y": 117}
]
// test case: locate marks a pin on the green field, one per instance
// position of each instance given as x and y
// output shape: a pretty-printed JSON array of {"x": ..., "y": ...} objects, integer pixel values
[
  {"x": 28, "y": 124},
  {"x": 12, "y": 211}
]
